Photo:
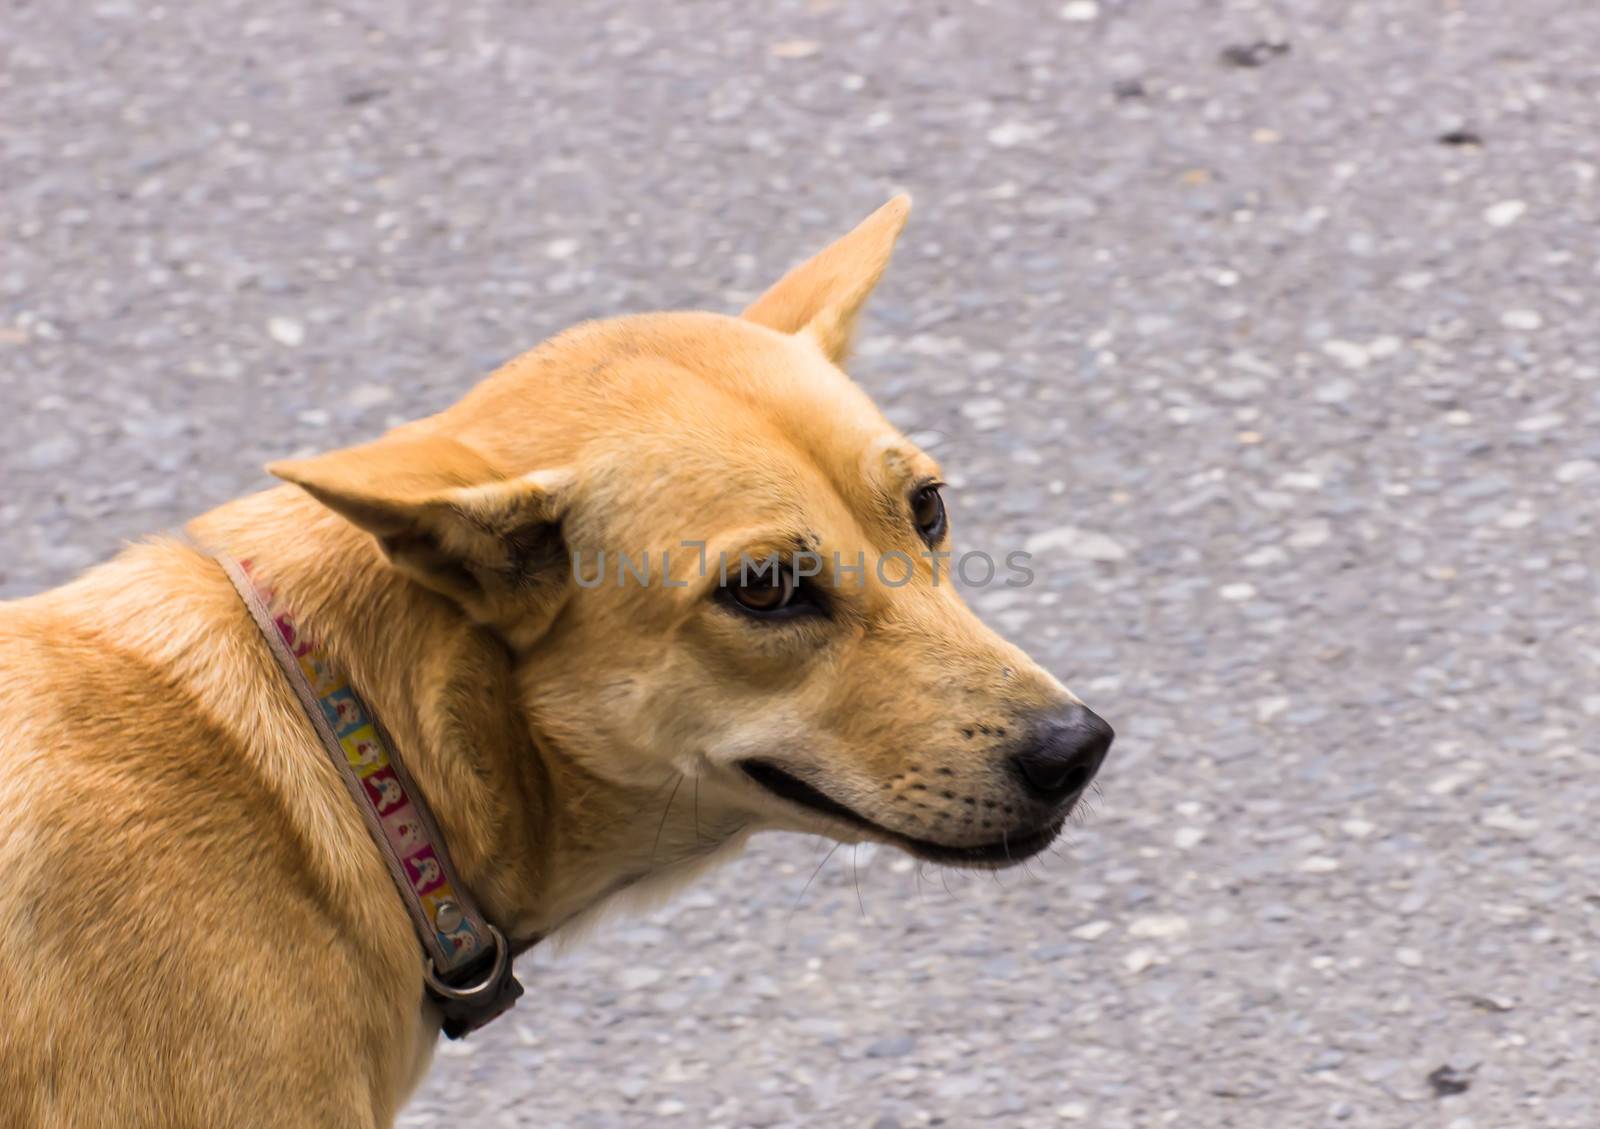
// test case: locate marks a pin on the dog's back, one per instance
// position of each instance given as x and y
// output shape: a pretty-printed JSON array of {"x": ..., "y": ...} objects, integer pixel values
[{"x": 137, "y": 835}]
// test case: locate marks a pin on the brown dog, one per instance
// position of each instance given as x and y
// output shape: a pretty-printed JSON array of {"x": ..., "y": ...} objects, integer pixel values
[{"x": 196, "y": 929}]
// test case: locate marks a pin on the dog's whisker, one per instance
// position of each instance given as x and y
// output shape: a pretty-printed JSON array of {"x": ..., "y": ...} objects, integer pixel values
[
  {"x": 812, "y": 879},
  {"x": 629, "y": 816},
  {"x": 855, "y": 873},
  {"x": 666, "y": 811}
]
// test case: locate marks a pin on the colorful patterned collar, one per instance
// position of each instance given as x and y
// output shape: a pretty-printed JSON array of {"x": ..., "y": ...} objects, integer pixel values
[{"x": 467, "y": 967}]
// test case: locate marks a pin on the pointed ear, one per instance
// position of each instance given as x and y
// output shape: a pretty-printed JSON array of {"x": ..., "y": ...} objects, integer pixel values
[
  {"x": 824, "y": 295},
  {"x": 450, "y": 520}
]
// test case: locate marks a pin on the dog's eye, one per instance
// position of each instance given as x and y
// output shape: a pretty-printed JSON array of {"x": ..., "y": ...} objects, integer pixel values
[
  {"x": 927, "y": 510},
  {"x": 763, "y": 594}
]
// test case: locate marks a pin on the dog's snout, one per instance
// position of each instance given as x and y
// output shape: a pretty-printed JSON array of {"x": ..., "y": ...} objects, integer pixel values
[{"x": 1066, "y": 750}]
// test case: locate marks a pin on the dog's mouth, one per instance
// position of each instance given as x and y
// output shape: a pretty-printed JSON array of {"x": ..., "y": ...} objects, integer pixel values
[{"x": 1004, "y": 852}]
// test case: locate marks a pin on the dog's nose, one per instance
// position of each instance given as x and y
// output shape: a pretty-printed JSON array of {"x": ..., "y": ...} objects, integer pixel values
[{"x": 1067, "y": 749}]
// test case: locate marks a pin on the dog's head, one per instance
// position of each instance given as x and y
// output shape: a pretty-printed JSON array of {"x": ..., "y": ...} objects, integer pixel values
[{"x": 713, "y": 558}]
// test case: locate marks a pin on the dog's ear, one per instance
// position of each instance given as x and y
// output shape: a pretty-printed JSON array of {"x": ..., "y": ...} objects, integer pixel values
[
  {"x": 824, "y": 295},
  {"x": 450, "y": 520}
]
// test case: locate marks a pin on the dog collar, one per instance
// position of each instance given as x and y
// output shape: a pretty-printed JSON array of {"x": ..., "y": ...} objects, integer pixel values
[{"x": 467, "y": 962}]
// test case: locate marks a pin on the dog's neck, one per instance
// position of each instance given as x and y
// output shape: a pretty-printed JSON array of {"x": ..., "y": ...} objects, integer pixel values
[{"x": 537, "y": 842}]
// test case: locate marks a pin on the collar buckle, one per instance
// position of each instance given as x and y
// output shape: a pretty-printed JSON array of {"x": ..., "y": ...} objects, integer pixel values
[{"x": 471, "y": 998}]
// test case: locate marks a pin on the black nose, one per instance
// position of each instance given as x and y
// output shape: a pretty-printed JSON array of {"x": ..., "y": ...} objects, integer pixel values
[{"x": 1067, "y": 749}]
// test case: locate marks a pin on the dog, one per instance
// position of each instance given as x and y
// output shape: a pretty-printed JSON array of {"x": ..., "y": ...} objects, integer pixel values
[{"x": 262, "y": 969}]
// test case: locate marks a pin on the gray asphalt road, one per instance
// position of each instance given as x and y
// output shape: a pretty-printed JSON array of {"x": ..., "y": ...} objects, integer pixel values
[{"x": 1300, "y": 401}]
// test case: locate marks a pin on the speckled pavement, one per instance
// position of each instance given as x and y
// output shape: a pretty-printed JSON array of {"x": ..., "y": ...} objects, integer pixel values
[{"x": 1268, "y": 327}]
